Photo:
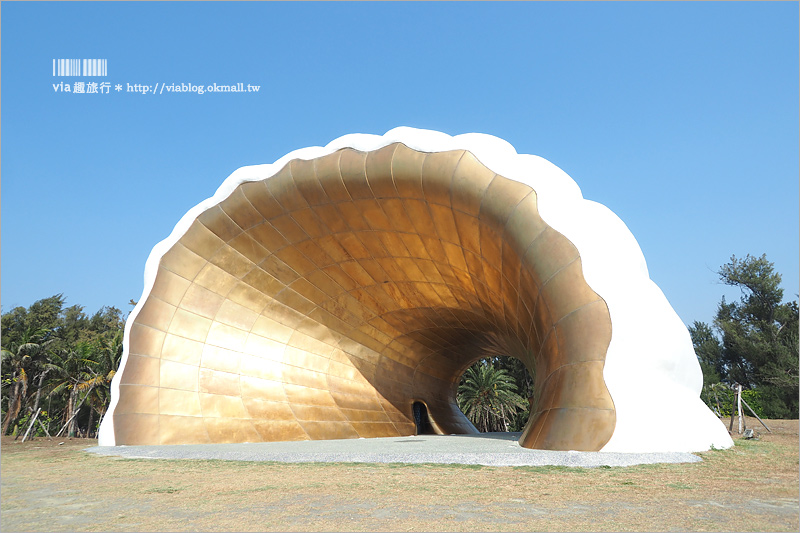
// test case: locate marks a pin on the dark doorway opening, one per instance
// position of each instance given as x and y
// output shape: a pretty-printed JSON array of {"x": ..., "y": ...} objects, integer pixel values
[{"x": 421, "y": 419}]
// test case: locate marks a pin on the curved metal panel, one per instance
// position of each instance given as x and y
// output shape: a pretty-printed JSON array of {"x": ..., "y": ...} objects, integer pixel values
[{"x": 323, "y": 301}]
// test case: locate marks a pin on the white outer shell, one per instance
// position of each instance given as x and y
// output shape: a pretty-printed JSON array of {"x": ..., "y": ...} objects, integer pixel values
[{"x": 651, "y": 370}]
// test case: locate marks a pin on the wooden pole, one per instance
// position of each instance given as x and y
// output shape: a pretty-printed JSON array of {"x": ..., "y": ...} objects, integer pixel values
[
  {"x": 719, "y": 409},
  {"x": 75, "y": 413},
  {"x": 45, "y": 429},
  {"x": 33, "y": 421},
  {"x": 755, "y": 415},
  {"x": 739, "y": 406},
  {"x": 67, "y": 424},
  {"x": 733, "y": 415}
]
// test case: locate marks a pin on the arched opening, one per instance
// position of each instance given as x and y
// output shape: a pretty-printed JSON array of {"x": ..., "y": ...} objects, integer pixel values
[
  {"x": 496, "y": 394},
  {"x": 421, "y": 419}
]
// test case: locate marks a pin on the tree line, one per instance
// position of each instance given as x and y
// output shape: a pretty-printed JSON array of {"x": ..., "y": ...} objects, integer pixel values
[{"x": 57, "y": 363}]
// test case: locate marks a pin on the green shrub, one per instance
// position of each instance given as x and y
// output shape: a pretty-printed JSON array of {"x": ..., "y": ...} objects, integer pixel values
[{"x": 724, "y": 403}]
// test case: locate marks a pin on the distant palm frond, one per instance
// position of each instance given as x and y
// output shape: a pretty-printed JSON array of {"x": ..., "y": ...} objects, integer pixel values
[{"x": 488, "y": 397}]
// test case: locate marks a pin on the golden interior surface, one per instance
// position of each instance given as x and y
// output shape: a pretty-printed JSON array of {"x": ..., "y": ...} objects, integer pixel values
[{"x": 321, "y": 303}]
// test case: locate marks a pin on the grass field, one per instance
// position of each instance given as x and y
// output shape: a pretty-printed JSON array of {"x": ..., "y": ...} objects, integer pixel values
[{"x": 49, "y": 486}]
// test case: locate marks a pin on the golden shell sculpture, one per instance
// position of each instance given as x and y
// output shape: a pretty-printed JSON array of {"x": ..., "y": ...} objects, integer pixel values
[{"x": 326, "y": 295}]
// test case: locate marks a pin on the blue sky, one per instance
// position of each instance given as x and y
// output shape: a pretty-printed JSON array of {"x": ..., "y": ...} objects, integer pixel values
[{"x": 680, "y": 117}]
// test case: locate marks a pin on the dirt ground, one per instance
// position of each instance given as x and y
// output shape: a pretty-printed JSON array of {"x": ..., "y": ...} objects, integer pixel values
[{"x": 53, "y": 485}]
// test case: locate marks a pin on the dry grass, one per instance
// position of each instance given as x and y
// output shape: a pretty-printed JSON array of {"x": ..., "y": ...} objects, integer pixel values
[{"x": 52, "y": 487}]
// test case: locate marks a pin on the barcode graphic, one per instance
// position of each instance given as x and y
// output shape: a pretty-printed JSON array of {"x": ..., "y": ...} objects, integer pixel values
[{"x": 80, "y": 67}]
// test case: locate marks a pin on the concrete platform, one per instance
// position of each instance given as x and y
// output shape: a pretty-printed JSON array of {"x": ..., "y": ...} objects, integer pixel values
[{"x": 490, "y": 449}]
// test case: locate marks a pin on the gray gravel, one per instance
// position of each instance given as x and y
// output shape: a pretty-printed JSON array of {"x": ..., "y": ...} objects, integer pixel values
[{"x": 491, "y": 449}]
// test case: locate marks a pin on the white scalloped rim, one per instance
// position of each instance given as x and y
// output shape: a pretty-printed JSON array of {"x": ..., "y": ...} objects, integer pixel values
[{"x": 650, "y": 369}]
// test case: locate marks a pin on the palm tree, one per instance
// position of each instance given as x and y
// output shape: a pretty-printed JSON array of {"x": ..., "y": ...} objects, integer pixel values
[
  {"x": 84, "y": 373},
  {"x": 22, "y": 360},
  {"x": 488, "y": 397},
  {"x": 14, "y": 362},
  {"x": 75, "y": 372},
  {"x": 108, "y": 356}
]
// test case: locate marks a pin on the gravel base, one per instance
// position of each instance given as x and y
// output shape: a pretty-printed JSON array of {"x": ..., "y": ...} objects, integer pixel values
[{"x": 490, "y": 449}]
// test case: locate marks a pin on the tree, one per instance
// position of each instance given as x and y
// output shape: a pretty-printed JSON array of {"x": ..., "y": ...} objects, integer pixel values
[
  {"x": 754, "y": 341},
  {"x": 524, "y": 382},
  {"x": 15, "y": 361},
  {"x": 74, "y": 373},
  {"x": 23, "y": 363},
  {"x": 709, "y": 352},
  {"x": 108, "y": 356},
  {"x": 488, "y": 397},
  {"x": 38, "y": 321}
]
